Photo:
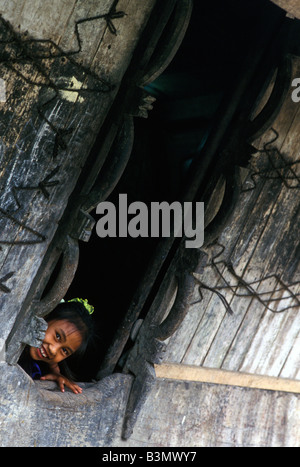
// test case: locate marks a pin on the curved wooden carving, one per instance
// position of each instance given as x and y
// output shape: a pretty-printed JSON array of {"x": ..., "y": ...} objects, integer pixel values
[
  {"x": 236, "y": 152},
  {"x": 173, "y": 34}
]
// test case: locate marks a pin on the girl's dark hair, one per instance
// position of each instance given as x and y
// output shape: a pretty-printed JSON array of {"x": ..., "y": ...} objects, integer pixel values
[{"x": 77, "y": 314}]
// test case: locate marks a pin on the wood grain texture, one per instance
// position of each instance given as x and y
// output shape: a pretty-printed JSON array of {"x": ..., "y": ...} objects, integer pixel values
[
  {"x": 59, "y": 90},
  {"x": 262, "y": 245},
  {"x": 231, "y": 378},
  {"x": 191, "y": 414}
]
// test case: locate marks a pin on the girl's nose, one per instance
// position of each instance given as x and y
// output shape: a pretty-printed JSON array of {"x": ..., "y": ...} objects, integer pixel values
[{"x": 52, "y": 350}]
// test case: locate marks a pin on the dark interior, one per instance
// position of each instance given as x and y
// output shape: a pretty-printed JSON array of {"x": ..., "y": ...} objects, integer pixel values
[{"x": 188, "y": 94}]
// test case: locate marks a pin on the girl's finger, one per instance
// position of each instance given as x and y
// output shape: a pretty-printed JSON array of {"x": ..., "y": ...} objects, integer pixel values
[
  {"x": 62, "y": 385},
  {"x": 74, "y": 387},
  {"x": 49, "y": 377}
]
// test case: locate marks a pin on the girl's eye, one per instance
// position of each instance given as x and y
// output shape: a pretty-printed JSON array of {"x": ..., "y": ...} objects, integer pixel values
[
  {"x": 65, "y": 351},
  {"x": 57, "y": 336}
]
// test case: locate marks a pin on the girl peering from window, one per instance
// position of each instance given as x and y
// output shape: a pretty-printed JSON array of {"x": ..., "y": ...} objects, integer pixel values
[{"x": 70, "y": 329}]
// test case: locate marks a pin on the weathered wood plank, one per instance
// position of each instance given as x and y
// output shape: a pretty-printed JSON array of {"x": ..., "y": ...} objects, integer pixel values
[
  {"x": 263, "y": 261},
  {"x": 191, "y": 414},
  {"x": 292, "y": 364},
  {"x": 261, "y": 241},
  {"x": 58, "y": 96},
  {"x": 91, "y": 419},
  {"x": 232, "y": 378},
  {"x": 176, "y": 413},
  {"x": 276, "y": 339}
]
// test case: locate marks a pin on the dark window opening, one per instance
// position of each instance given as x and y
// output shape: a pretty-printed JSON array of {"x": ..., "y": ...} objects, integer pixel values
[{"x": 166, "y": 144}]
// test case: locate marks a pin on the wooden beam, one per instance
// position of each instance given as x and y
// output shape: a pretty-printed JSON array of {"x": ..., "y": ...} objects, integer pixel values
[{"x": 231, "y": 378}]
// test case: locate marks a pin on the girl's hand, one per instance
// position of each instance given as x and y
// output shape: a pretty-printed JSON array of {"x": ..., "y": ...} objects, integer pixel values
[{"x": 62, "y": 381}]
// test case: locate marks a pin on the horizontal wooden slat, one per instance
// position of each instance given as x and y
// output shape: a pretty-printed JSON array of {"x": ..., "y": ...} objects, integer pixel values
[{"x": 231, "y": 378}]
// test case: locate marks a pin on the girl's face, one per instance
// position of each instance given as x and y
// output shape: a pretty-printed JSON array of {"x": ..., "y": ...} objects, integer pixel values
[{"x": 61, "y": 340}]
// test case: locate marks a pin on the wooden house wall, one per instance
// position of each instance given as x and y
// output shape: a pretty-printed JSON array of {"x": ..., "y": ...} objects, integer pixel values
[
  {"x": 262, "y": 244},
  {"x": 262, "y": 241},
  {"x": 58, "y": 94}
]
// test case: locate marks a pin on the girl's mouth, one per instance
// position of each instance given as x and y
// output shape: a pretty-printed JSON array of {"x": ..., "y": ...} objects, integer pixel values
[{"x": 42, "y": 353}]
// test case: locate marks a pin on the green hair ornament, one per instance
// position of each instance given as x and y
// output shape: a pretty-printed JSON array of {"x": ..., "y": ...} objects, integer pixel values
[{"x": 85, "y": 303}]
